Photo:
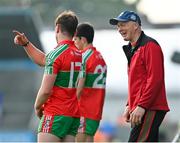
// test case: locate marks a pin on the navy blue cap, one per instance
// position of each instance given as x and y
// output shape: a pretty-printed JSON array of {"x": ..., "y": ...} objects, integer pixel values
[{"x": 126, "y": 16}]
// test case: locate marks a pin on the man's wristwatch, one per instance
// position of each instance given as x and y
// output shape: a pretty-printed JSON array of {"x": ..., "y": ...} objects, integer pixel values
[{"x": 27, "y": 43}]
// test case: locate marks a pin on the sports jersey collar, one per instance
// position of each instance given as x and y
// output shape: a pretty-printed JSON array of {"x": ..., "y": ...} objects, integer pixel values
[
  {"x": 134, "y": 44},
  {"x": 129, "y": 52},
  {"x": 88, "y": 47},
  {"x": 69, "y": 42}
]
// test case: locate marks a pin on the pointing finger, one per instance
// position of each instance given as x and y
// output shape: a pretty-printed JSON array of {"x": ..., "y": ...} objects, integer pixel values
[{"x": 17, "y": 32}]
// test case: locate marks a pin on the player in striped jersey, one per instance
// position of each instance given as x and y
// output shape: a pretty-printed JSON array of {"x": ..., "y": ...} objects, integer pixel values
[
  {"x": 56, "y": 103},
  {"x": 91, "y": 85}
]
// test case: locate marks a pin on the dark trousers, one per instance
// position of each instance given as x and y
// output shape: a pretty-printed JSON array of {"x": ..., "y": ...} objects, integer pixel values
[{"x": 148, "y": 130}]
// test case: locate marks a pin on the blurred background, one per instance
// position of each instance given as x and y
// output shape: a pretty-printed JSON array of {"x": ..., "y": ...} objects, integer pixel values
[{"x": 20, "y": 78}]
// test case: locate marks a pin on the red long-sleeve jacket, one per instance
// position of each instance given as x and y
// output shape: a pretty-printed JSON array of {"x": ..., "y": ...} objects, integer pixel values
[{"x": 146, "y": 85}]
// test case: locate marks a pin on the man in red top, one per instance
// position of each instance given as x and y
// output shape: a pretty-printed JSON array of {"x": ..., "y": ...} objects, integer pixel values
[
  {"x": 91, "y": 85},
  {"x": 147, "y": 103},
  {"x": 56, "y": 103}
]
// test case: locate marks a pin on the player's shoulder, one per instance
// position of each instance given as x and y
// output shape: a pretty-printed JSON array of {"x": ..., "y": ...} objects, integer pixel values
[
  {"x": 98, "y": 54},
  {"x": 57, "y": 52}
]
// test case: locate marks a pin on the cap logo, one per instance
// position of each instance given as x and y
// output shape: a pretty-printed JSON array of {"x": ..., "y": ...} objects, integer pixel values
[{"x": 133, "y": 17}]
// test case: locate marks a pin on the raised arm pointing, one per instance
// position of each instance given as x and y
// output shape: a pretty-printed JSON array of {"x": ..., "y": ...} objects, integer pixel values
[{"x": 34, "y": 53}]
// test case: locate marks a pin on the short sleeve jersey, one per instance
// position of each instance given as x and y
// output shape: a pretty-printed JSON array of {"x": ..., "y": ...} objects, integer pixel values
[
  {"x": 65, "y": 62},
  {"x": 94, "y": 70}
]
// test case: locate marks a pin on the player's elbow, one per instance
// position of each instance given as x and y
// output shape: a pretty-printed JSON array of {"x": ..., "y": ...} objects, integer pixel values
[
  {"x": 40, "y": 62},
  {"x": 78, "y": 93},
  {"x": 46, "y": 92}
]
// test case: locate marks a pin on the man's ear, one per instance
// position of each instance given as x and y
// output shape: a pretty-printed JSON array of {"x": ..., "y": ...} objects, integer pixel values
[
  {"x": 57, "y": 28},
  {"x": 136, "y": 25},
  {"x": 84, "y": 39}
]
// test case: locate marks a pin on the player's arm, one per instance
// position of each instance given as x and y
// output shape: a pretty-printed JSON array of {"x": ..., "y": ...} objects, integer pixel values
[
  {"x": 81, "y": 80},
  {"x": 44, "y": 92},
  {"x": 34, "y": 53},
  {"x": 80, "y": 87}
]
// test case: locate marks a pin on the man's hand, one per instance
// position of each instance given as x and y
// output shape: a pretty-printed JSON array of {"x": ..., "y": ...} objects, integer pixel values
[
  {"x": 126, "y": 114},
  {"x": 20, "y": 38},
  {"x": 39, "y": 112},
  {"x": 136, "y": 116}
]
